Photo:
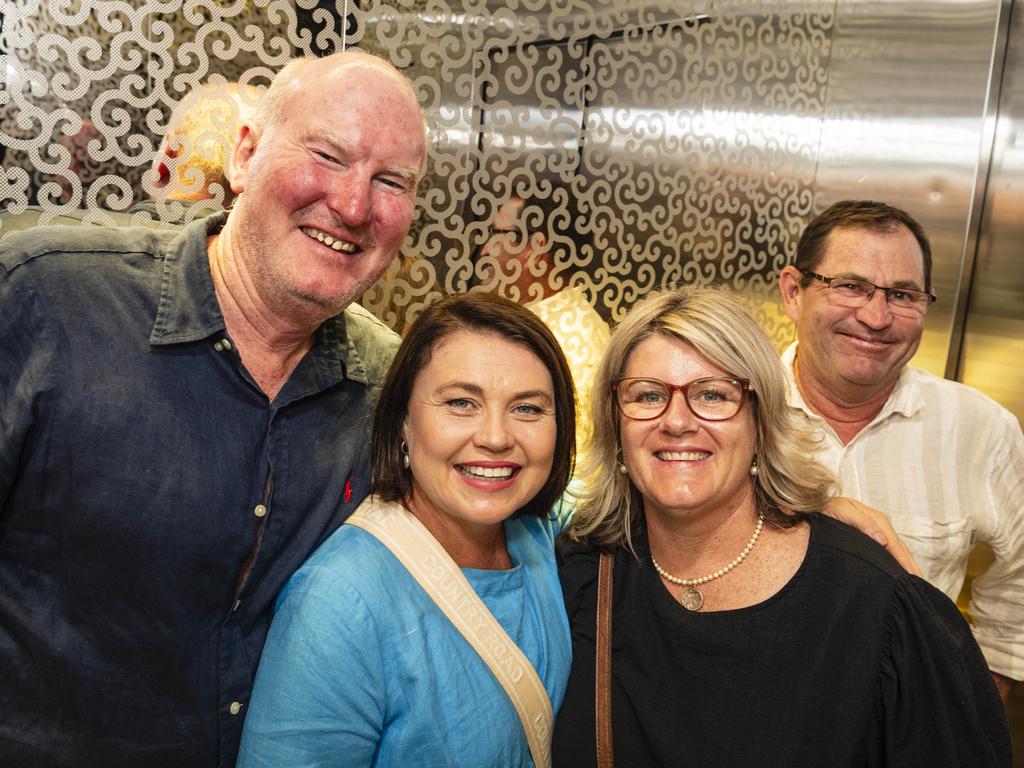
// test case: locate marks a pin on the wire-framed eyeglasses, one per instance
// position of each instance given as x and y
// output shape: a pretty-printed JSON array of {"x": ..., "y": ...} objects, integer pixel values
[
  {"x": 853, "y": 292},
  {"x": 711, "y": 399}
]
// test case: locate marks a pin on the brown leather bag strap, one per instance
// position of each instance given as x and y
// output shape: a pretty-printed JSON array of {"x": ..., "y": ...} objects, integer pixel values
[{"x": 603, "y": 676}]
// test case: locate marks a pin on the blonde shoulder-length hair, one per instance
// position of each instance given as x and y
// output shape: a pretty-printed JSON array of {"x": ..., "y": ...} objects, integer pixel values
[{"x": 788, "y": 483}]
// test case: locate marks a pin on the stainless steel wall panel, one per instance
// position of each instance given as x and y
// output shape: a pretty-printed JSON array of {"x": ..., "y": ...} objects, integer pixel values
[
  {"x": 904, "y": 121},
  {"x": 993, "y": 350}
]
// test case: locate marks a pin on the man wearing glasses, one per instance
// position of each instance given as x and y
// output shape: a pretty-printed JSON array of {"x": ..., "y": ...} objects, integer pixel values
[{"x": 944, "y": 461}]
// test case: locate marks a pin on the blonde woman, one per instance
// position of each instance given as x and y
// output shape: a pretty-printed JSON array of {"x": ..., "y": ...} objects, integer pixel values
[{"x": 747, "y": 630}]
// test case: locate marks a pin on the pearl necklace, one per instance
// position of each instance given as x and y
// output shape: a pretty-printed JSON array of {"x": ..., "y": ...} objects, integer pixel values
[{"x": 692, "y": 598}]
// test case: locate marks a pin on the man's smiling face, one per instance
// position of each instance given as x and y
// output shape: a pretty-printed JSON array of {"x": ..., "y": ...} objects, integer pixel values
[
  {"x": 859, "y": 349},
  {"x": 328, "y": 190}
]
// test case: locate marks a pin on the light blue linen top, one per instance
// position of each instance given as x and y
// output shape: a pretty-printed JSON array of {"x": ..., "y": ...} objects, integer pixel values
[{"x": 361, "y": 668}]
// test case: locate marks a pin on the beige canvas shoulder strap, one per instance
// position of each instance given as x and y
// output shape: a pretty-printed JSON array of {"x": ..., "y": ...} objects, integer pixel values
[{"x": 425, "y": 559}]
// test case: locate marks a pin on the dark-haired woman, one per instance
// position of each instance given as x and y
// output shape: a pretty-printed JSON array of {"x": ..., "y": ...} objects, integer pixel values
[{"x": 473, "y": 444}]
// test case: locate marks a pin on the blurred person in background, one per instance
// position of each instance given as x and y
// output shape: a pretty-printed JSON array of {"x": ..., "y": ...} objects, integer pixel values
[
  {"x": 193, "y": 162},
  {"x": 518, "y": 260}
]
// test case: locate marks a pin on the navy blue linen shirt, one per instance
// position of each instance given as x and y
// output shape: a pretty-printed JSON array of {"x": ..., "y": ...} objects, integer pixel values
[{"x": 152, "y": 501}]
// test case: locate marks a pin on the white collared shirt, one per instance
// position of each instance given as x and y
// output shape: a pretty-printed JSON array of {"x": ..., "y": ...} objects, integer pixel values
[{"x": 946, "y": 463}]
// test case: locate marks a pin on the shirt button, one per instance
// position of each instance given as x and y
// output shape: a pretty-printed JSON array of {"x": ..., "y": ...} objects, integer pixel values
[
  {"x": 219, "y": 346},
  {"x": 235, "y": 708},
  {"x": 260, "y": 510},
  {"x": 226, "y": 343}
]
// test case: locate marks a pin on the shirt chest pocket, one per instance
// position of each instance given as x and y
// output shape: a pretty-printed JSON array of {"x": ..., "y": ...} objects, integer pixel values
[{"x": 940, "y": 547}]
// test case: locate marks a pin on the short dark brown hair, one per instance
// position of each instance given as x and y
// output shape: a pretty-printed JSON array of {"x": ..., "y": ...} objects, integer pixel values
[
  {"x": 866, "y": 214},
  {"x": 482, "y": 313}
]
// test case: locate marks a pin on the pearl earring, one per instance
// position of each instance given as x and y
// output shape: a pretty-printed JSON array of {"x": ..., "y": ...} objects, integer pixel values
[
  {"x": 620, "y": 462},
  {"x": 405, "y": 455}
]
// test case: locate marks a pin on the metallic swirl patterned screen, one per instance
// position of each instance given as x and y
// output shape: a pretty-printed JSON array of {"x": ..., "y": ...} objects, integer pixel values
[{"x": 582, "y": 154}]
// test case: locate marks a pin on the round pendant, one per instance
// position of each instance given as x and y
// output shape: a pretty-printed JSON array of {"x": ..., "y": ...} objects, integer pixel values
[{"x": 691, "y": 599}]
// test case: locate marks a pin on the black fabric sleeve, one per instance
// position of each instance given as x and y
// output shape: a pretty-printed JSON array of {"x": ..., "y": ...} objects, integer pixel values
[{"x": 936, "y": 702}]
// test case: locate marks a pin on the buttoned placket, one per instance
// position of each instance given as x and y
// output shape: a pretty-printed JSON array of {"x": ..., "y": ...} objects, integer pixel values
[
  {"x": 320, "y": 370},
  {"x": 234, "y": 668}
]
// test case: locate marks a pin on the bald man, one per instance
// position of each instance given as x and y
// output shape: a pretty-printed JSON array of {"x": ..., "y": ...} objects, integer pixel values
[{"x": 183, "y": 418}]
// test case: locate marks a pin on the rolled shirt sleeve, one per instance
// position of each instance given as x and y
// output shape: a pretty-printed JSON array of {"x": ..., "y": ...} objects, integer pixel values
[{"x": 997, "y": 595}]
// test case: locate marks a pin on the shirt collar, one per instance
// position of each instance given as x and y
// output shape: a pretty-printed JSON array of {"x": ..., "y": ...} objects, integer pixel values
[
  {"x": 335, "y": 355},
  {"x": 188, "y": 308},
  {"x": 905, "y": 399}
]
